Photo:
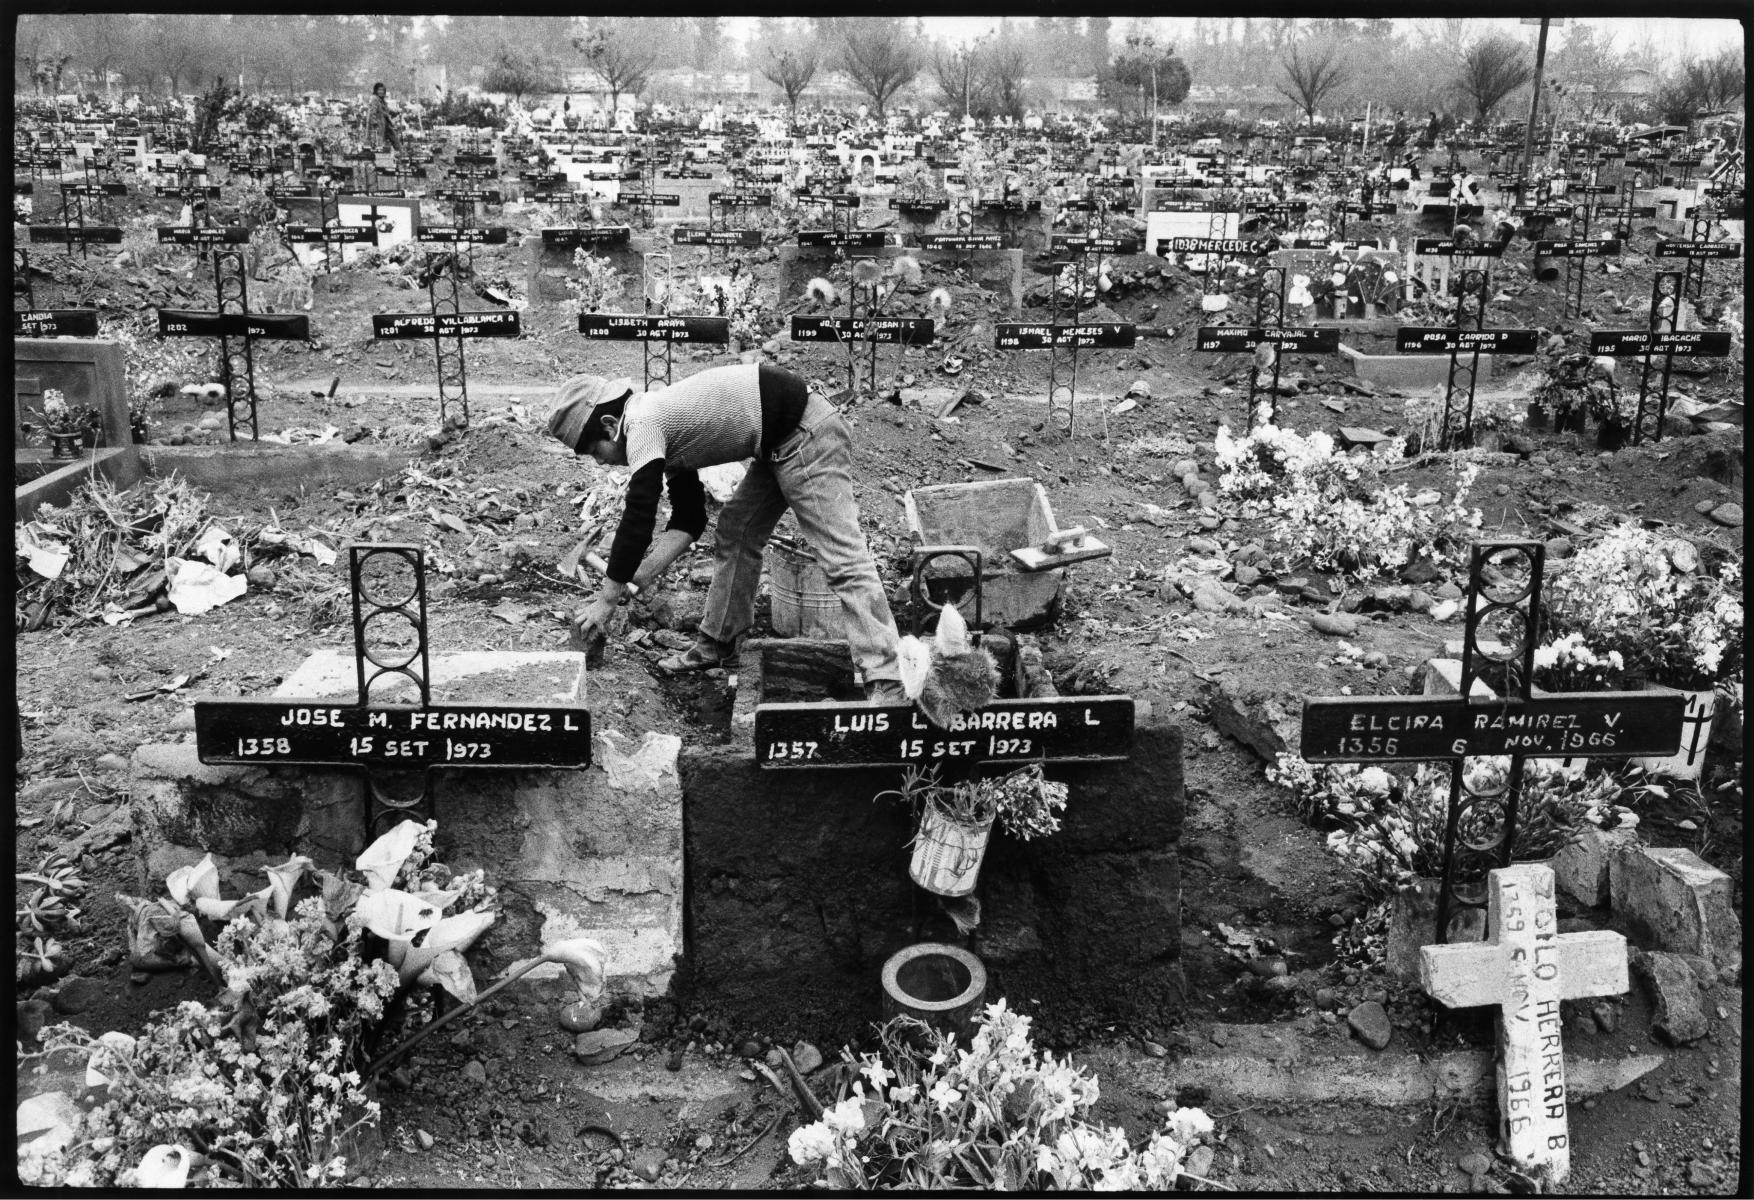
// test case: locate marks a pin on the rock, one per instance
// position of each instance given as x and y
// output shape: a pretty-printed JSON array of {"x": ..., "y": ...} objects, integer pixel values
[
  {"x": 1475, "y": 1163},
  {"x": 806, "y": 1057},
  {"x": 1701, "y": 1174},
  {"x": 1246, "y": 575},
  {"x": 749, "y": 1049},
  {"x": 1607, "y": 1016},
  {"x": 77, "y": 994},
  {"x": 1139, "y": 389},
  {"x": 1211, "y": 596},
  {"x": 1371, "y": 1024},
  {"x": 261, "y": 576},
  {"x": 1678, "y": 1018},
  {"x": 1420, "y": 601},
  {"x": 1674, "y": 900},
  {"x": 1206, "y": 546},
  {"x": 1325, "y": 997},
  {"x": 1155, "y": 1049},
  {"x": 1559, "y": 547},
  {"x": 1199, "y": 1162},
  {"x": 474, "y": 1072},
  {"x": 1420, "y": 571},
  {"x": 602, "y": 1045},
  {"x": 1446, "y": 591},
  {"x": 1704, "y": 506},
  {"x": 110, "y": 762},
  {"x": 32, "y": 1016},
  {"x": 1334, "y": 624},
  {"x": 1727, "y": 514},
  {"x": 425, "y": 1139},
  {"x": 648, "y": 1165},
  {"x": 1206, "y": 500},
  {"x": 581, "y": 1017}
]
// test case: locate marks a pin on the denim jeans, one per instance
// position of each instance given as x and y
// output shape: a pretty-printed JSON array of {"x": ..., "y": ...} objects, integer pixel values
[{"x": 811, "y": 473}]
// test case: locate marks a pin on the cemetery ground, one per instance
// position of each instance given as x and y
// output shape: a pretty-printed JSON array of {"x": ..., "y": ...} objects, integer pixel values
[{"x": 501, "y": 1101}]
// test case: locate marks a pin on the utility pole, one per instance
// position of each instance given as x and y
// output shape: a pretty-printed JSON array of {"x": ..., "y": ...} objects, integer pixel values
[{"x": 1535, "y": 100}]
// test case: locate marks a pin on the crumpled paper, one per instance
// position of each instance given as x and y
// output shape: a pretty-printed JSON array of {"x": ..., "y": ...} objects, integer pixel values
[
  {"x": 47, "y": 559},
  {"x": 196, "y": 587},
  {"x": 643, "y": 769},
  {"x": 218, "y": 547}
]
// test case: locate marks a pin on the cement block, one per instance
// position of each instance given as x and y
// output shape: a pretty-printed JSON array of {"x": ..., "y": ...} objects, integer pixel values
[
  {"x": 1581, "y": 867},
  {"x": 255, "y": 466},
  {"x": 43, "y": 481},
  {"x": 479, "y": 676},
  {"x": 1413, "y": 925},
  {"x": 1407, "y": 372},
  {"x": 1673, "y": 900},
  {"x": 1443, "y": 677}
]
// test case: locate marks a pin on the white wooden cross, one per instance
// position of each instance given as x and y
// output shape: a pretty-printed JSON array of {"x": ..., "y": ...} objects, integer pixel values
[{"x": 1527, "y": 968}]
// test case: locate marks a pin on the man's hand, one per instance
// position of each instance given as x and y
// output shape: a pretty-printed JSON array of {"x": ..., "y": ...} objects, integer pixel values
[{"x": 593, "y": 618}]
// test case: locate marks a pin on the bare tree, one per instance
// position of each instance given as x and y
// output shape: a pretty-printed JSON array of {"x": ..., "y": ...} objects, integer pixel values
[
  {"x": 1312, "y": 71},
  {"x": 959, "y": 73},
  {"x": 1008, "y": 65},
  {"x": 517, "y": 70},
  {"x": 878, "y": 55},
  {"x": 1492, "y": 69},
  {"x": 790, "y": 67},
  {"x": 622, "y": 53}
]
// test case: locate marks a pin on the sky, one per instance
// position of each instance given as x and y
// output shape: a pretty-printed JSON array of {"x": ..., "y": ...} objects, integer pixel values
[{"x": 1671, "y": 36}]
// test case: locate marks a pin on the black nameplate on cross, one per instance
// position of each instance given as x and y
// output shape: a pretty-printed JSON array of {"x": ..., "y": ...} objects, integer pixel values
[
  {"x": 1412, "y": 339},
  {"x": 430, "y": 325},
  {"x": 959, "y": 241},
  {"x": 918, "y": 210},
  {"x": 95, "y": 191},
  {"x": 1087, "y": 244},
  {"x": 746, "y": 238},
  {"x": 319, "y": 733},
  {"x": 1207, "y": 245},
  {"x": 469, "y": 195},
  {"x": 615, "y": 327},
  {"x": 478, "y": 235},
  {"x": 649, "y": 199},
  {"x": 187, "y": 192},
  {"x": 1033, "y": 335},
  {"x": 832, "y": 199},
  {"x": 1578, "y": 248},
  {"x": 1399, "y": 729},
  {"x": 601, "y": 235},
  {"x": 741, "y": 199},
  {"x": 70, "y": 234},
  {"x": 1014, "y": 207},
  {"x": 1233, "y": 339},
  {"x": 1699, "y": 250},
  {"x": 191, "y": 322},
  {"x": 907, "y": 331},
  {"x": 1449, "y": 248},
  {"x": 1687, "y": 344},
  {"x": 203, "y": 235},
  {"x": 55, "y": 322},
  {"x": 333, "y": 235},
  {"x": 852, "y": 239},
  {"x": 1060, "y": 729}
]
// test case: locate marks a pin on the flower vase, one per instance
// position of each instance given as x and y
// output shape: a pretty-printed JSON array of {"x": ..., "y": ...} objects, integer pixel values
[
  {"x": 1688, "y": 762},
  {"x": 1370, "y": 310},
  {"x": 1340, "y": 309},
  {"x": 1536, "y": 418},
  {"x": 947, "y": 854},
  {"x": 65, "y": 446}
]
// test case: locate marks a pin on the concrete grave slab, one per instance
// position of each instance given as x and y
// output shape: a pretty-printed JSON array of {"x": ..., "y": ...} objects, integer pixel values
[{"x": 1671, "y": 899}]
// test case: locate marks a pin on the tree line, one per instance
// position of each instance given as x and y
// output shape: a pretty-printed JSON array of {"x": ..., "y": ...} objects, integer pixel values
[{"x": 1321, "y": 64}]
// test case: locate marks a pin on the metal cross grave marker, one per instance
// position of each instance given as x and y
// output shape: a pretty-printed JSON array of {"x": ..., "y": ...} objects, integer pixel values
[
  {"x": 1498, "y": 648},
  {"x": 390, "y": 639}
]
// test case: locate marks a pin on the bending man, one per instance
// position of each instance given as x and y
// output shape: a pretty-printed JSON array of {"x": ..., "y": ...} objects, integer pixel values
[{"x": 802, "y": 459}]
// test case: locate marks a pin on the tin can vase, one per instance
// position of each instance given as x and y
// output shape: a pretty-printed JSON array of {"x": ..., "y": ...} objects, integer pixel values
[
  {"x": 1689, "y": 761},
  {"x": 947, "y": 854}
]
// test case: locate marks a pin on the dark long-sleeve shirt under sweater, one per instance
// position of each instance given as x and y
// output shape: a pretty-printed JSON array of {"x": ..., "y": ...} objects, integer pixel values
[{"x": 723, "y": 415}]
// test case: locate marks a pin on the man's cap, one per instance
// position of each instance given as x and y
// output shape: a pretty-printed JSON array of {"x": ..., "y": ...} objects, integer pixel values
[{"x": 581, "y": 401}]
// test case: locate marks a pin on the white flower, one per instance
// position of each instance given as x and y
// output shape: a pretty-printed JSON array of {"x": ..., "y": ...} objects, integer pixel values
[
  {"x": 943, "y": 1095},
  {"x": 876, "y": 1072},
  {"x": 847, "y": 1117},
  {"x": 811, "y": 1143},
  {"x": 1188, "y": 1125}
]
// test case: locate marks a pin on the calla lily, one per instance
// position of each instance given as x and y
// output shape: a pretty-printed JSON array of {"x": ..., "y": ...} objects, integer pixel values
[
  {"x": 283, "y": 879},
  {"x": 951, "y": 638},
  {"x": 583, "y": 960},
  {"x": 821, "y": 290},
  {"x": 449, "y": 971},
  {"x": 451, "y": 933},
  {"x": 189, "y": 930},
  {"x": 394, "y": 915},
  {"x": 940, "y": 298},
  {"x": 164, "y": 1166},
  {"x": 200, "y": 881},
  {"x": 915, "y": 662},
  {"x": 254, "y": 904},
  {"x": 384, "y": 857}
]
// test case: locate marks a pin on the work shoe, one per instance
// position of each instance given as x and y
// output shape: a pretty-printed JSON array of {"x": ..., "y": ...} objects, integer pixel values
[
  {"x": 885, "y": 691},
  {"x": 705, "y": 654}
]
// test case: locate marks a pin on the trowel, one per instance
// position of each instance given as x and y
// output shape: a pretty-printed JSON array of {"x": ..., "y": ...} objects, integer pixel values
[{"x": 1060, "y": 548}]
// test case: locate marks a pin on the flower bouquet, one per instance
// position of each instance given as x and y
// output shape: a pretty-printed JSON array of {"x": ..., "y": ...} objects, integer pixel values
[
  {"x": 956, "y": 821},
  {"x": 998, "y": 1116}
]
